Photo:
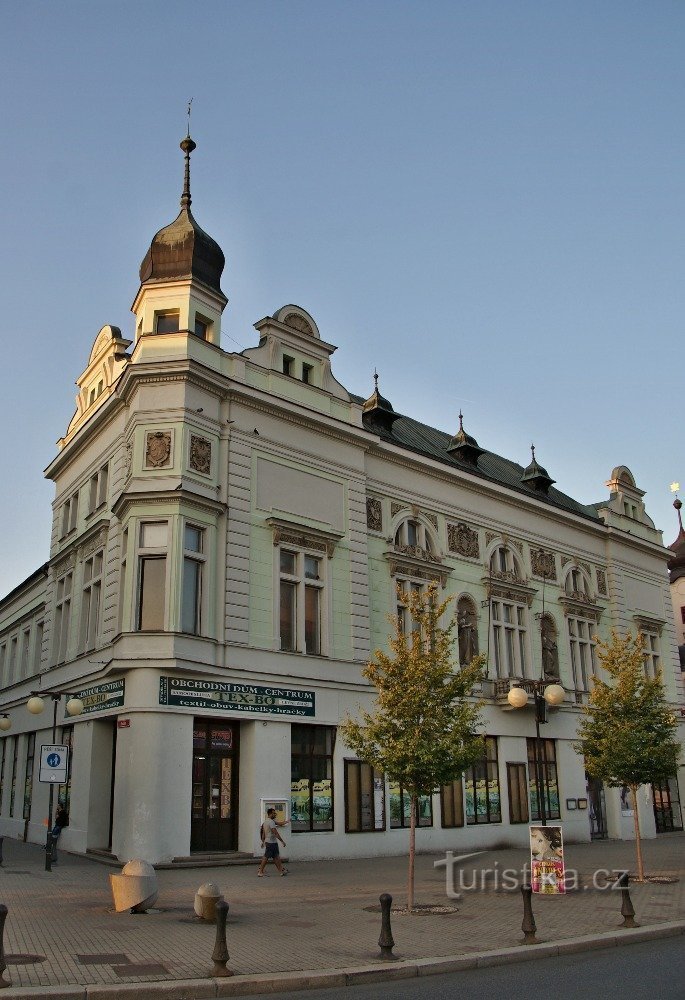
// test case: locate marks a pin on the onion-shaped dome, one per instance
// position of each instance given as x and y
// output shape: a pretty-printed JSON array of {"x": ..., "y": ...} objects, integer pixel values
[
  {"x": 676, "y": 565},
  {"x": 536, "y": 476},
  {"x": 377, "y": 411},
  {"x": 182, "y": 249},
  {"x": 463, "y": 446}
]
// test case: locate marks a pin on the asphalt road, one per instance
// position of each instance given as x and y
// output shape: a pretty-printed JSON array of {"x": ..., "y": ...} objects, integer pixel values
[{"x": 654, "y": 968}]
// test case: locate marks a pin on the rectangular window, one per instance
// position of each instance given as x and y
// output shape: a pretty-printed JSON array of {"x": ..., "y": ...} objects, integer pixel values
[
  {"x": 580, "y": 635},
  {"x": 28, "y": 778},
  {"x": 517, "y": 787},
  {"x": 12, "y": 664},
  {"x": 152, "y": 576},
  {"x": 38, "y": 646},
  {"x": 542, "y": 779},
  {"x": 191, "y": 598},
  {"x": 25, "y": 647},
  {"x": 452, "y": 804},
  {"x": 2, "y": 771},
  {"x": 311, "y": 777},
  {"x": 62, "y": 616},
  {"x": 307, "y": 373},
  {"x": 404, "y": 618},
  {"x": 288, "y": 365},
  {"x": 483, "y": 801},
  {"x": 201, "y": 328},
  {"x": 69, "y": 515},
  {"x": 301, "y": 592},
  {"x": 3, "y": 659},
  {"x": 509, "y": 639},
  {"x": 97, "y": 494},
  {"x": 364, "y": 798},
  {"x": 651, "y": 656},
  {"x": 90, "y": 602},
  {"x": 167, "y": 322},
  {"x": 13, "y": 785},
  {"x": 400, "y": 807}
]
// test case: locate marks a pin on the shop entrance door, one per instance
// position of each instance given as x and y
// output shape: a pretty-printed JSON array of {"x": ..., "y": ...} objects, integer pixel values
[
  {"x": 596, "y": 808},
  {"x": 667, "y": 812},
  {"x": 214, "y": 808}
]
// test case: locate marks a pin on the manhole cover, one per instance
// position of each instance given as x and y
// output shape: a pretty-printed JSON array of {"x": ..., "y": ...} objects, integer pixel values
[
  {"x": 24, "y": 959},
  {"x": 420, "y": 910}
]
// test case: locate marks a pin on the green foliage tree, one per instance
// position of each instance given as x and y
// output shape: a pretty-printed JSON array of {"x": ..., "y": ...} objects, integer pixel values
[
  {"x": 628, "y": 734},
  {"x": 423, "y": 730}
]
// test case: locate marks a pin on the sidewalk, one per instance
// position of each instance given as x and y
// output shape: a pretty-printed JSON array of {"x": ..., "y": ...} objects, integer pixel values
[{"x": 61, "y": 928}]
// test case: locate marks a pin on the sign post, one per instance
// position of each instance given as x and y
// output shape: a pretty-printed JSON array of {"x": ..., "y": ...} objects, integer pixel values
[{"x": 54, "y": 764}]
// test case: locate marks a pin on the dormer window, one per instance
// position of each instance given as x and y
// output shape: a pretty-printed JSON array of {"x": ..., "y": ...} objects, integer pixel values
[
  {"x": 201, "y": 328},
  {"x": 166, "y": 322},
  {"x": 288, "y": 365},
  {"x": 307, "y": 373}
]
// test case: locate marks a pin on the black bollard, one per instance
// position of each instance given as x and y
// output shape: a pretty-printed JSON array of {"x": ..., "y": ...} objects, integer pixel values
[
  {"x": 3, "y": 964},
  {"x": 1, "y": 840},
  {"x": 386, "y": 941},
  {"x": 528, "y": 925},
  {"x": 627, "y": 908},
  {"x": 53, "y": 849},
  {"x": 220, "y": 954},
  {"x": 48, "y": 851}
]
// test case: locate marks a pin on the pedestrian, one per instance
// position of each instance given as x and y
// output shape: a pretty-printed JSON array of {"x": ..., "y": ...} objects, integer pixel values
[
  {"x": 61, "y": 820},
  {"x": 270, "y": 839}
]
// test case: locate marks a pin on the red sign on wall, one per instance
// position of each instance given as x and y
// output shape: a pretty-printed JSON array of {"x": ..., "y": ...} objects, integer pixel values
[{"x": 123, "y": 723}]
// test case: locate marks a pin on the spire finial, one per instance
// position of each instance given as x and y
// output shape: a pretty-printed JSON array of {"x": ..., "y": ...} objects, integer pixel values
[
  {"x": 532, "y": 451},
  {"x": 187, "y": 145},
  {"x": 677, "y": 503},
  {"x": 461, "y": 420},
  {"x": 375, "y": 380}
]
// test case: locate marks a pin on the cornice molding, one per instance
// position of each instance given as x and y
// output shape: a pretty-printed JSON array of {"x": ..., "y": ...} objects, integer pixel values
[{"x": 128, "y": 499}]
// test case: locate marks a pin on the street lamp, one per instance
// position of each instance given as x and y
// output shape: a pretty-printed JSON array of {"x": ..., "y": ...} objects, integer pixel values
[
  {"x": 552, "y": 694},
  {"x": 5, "y": 722},
  {"x": 35, "y": 705}
]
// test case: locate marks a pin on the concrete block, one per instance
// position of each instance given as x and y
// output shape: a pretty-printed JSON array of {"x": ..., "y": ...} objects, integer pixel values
[
  {"x": 380, "y": 973},
  {"x": 436, "y": 966},
  {"x": 524, "y": 953},
  {"x": 278, "y": 982},
  {"x": 589, "y": 942},
  {"x": 44, "y": 992},
  {"x": 189, "y": 989}
]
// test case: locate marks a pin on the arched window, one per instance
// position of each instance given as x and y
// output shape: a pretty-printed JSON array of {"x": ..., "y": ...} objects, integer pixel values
[
  {"x": 503, "y": 560},
  {"x": 576, "y": 582},
  {"x": 412, "y": 533}
]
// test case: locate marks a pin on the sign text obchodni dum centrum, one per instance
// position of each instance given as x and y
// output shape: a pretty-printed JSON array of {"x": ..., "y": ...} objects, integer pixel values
[{"x": 186, "y": 692}]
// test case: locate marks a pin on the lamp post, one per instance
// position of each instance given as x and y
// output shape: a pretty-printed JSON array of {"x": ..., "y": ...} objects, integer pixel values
[
  {"x": 552, "y": 694},
  {"x": 35, "y": 705}
]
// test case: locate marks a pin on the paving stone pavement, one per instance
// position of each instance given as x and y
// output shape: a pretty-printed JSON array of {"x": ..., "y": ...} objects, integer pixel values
[{"x": 62, "y": 930}]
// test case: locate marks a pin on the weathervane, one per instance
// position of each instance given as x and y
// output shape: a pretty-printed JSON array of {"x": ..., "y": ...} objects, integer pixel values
[{"x": 190, "y": 103}]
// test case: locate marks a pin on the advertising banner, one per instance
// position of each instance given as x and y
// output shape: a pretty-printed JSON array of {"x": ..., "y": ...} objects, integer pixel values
[
  {"x": 189, "y": 692},
  {"x": 547, "y": 874},
  {"x": 102, "y": 697}
]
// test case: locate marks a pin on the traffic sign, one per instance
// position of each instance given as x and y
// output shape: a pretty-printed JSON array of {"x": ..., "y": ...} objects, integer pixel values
[{"x": 54, "y": 761}]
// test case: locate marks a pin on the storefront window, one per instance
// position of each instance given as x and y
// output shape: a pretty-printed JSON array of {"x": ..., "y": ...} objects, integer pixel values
[
  {"x": 364, "y": 798},
  {"x": 400, "y": 807},
  {"x": 547, "y": 776},
  {"x": 483, "y": 802},
  {"x": 311, "y": 787}
]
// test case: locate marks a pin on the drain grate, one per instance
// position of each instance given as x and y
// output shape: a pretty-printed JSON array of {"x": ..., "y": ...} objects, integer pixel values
[{"x": 24, "y": 959}]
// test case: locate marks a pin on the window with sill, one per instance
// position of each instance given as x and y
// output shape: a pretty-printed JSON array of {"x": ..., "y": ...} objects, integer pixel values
[
  {"x": 97, "y": 494},
  {"x": 651, "y": 654},
  {"x": 167, "y": 322},
  {"x": 62, "y": 616},
  {"x": 301, "y": 597},
  {"x": 152, "y": 568},
  {"x": 412, "y": 534},
  {"x": 288, "y": 365},
  {"x": 452, "y": 804},
  {"x": 201, "y": 328},
  {"x": 504, "y": 561},
  {"x": 307, "y": 373},
  {"x": 406, "y": 623},
  {"x": 364, "y": 798},
  {"x": 542, "y": 778},
  {"x": 576, "y": 583},
  {"x": 509, "y": 638},
  {"x": 89, "y": 634},
  {"x": 193, "y": 569},
  {"x": 517, "y": 787},
  {"x": 311, "y": 778}
]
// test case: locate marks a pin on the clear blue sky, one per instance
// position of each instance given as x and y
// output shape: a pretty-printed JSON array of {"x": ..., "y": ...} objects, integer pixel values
[{"x": 485, "y": 200}]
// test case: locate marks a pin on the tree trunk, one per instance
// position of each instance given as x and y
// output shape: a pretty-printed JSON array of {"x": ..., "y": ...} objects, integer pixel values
[
  {"x": 638, "y": 843},
  {"x": 412, "y": 853}
]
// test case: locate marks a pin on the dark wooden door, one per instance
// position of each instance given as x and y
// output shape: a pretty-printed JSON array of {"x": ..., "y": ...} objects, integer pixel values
[{"x": 214, "y": 807}]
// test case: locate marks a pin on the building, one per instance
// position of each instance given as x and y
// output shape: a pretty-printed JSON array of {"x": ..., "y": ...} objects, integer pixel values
[{"x": 229, "y": 532}]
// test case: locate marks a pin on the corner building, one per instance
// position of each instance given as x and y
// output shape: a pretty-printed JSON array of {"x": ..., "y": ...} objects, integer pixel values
[{"x": 229, "y": 532}]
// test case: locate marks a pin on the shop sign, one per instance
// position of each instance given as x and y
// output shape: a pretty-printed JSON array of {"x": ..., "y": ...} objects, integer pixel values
[
  {"x": 185, "y": 692},
  {"x": 102, "y": 697}
]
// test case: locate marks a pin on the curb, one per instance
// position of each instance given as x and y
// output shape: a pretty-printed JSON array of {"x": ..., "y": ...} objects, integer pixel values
[{"x": 313, "y": 979}]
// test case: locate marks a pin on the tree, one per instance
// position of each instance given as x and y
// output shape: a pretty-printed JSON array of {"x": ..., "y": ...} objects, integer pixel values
[
  {"x": 422, "y": 731},
  {"x": 628, "y": 734}
]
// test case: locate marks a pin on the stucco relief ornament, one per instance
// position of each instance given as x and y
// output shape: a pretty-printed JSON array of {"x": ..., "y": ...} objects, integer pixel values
[
  {"x": 374, "y": 514},
  {"x": 158, "y": 449},
  {"x": 463, "y": 540},
  {"x": 200, "y": 454},
  {"x": 543, "y": 564},
  {"x": 601, "y": 583}
]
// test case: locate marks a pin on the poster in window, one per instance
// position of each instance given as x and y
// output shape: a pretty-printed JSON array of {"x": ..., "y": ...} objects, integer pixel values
[
  {"x": 322, "y": 803},
  {"x": 299, "y": 804},
  {"x": 547, "y": 860},
  {"x": 378, "y": 803}
]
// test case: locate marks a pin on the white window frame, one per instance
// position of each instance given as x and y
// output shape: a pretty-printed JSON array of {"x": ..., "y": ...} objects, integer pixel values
[
  {"x": 406, "y": 584},
  {"x": 63, "y": 595},
  {"x": 582, "y": 648},
  {"x": 300, "y": 583},
  {"x": 91, "y": 601},
  {"x": 69, "y": 515},
  {"x": 412, "y": 532},
  {"x": 199, "y": 559},
  {"x": 151, "y": 552},
  {"x": 651, "y": 653},
  {"x": 97, "y": 491},
  {"x": 509, "y": 637}
]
